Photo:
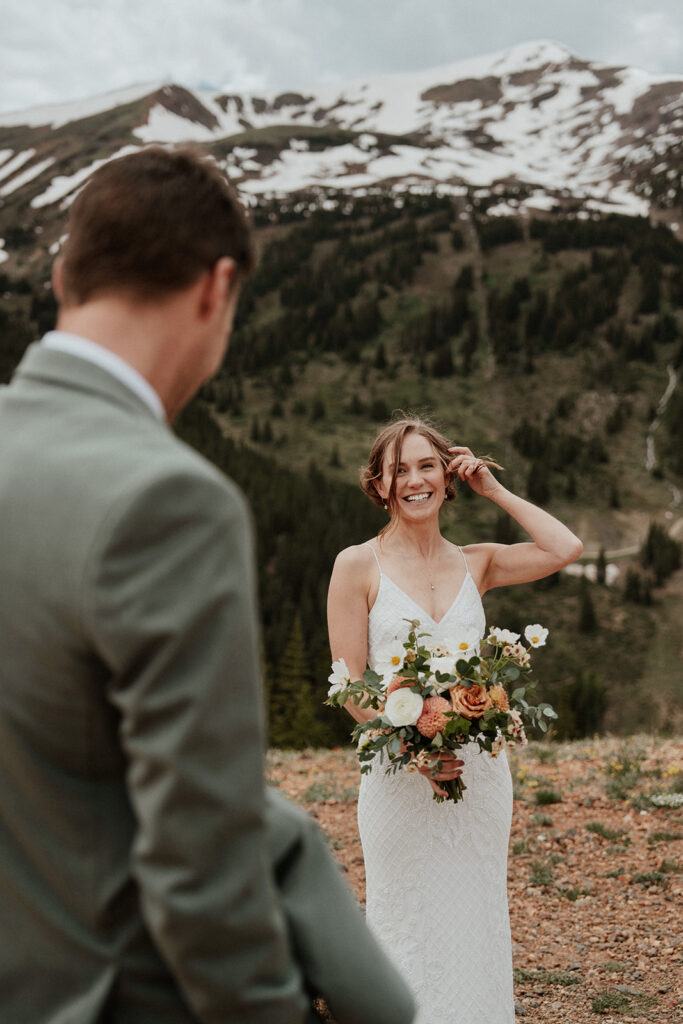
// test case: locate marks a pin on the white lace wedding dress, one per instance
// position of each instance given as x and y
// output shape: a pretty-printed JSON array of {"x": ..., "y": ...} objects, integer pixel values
[{"x": 436, "y": 873}]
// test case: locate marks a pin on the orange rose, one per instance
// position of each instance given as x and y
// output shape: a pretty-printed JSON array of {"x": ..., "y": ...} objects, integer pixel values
[
  {"x": 470, "y": 701},
  {"x": 499, "y": 698}
]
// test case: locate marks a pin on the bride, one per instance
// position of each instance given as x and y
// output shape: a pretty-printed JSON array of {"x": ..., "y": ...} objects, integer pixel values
[{"x": 436, "y": 872}]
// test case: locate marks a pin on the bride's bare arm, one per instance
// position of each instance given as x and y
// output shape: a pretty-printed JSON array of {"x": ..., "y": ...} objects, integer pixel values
[
  {"x": 347, "y": 616},
  {"x": 553, "y": 544}
]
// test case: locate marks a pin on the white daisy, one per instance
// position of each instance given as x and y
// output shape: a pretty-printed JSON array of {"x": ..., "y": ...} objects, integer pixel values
[
  {"x": 394, "y": 655},
  {"x": 466, "y": 643},
  {"x": 338, "y": 678},
  {"x": 536, "y": 635},
  {"x": 502, "y": 636}
]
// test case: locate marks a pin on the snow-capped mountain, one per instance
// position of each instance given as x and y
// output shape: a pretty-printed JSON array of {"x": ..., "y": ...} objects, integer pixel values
[{"x": 533, "y": 121}]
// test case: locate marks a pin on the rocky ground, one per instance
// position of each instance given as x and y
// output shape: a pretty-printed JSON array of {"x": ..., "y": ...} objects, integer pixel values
[{"x": 594, "y": 877}]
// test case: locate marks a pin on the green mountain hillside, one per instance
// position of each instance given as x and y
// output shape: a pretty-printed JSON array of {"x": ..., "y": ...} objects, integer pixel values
[{"x": 553, "y": 342}]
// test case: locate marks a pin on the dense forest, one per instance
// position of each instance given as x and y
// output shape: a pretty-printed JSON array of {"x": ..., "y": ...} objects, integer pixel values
[{"x": 546, "y": 338}]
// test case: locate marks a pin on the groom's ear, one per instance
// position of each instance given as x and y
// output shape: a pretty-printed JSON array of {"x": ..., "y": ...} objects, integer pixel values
[{"x": 220, "y": 283}]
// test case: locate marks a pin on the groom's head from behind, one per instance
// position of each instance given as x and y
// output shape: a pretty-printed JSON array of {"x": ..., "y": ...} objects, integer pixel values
[{"x": 159, "y": 240}]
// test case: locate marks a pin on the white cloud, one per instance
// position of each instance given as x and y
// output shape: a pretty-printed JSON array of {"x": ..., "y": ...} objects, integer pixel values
[{"x": 67, "y": 49}]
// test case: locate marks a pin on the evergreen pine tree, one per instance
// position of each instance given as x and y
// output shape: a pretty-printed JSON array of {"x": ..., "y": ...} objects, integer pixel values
[
  {"x": 601, "y": 567},
  {"x": 588, "y": 622},
  {"x": 380, "y": 357},
  {"x": 537, "y": 484},
  {"x": 632, "y": 589},
  {"x": 588, "y": 703},
  {"x": 267, "y": 433},
  {"x": 292, "y": 718},
  {"x": 570, "y": 487}
]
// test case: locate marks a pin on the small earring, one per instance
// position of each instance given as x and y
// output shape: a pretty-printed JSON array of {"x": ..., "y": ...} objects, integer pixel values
[{"x": 385, "y": 507}]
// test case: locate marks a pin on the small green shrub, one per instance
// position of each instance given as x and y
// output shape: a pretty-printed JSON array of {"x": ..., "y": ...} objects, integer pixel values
[
  {"x": 606, "y": 1001},
  {"x": 614, "y": 965},
  {"x": 547, "y": 977},
  {"x": 649, "y": 878},
  {"x": 319, "y": 791},
  {"x": 545, "y": 754},
  {"x": 623, "y": 773},
  {"x": 542, "y": 819},
  {"x": 573, "y": 894},
  {"x": 547, "y": 796},
  {"x": 599, "y": 829},
  {"x": 541, "y": 873},
  {"x": 663, "y": 837}
]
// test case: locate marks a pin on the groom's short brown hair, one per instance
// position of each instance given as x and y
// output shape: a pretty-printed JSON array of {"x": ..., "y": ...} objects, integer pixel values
[{"x": 151, "y": 223}]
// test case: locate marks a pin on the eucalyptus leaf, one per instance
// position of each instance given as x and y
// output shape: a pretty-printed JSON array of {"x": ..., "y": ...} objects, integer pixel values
[{"x": 372, "y": 678}]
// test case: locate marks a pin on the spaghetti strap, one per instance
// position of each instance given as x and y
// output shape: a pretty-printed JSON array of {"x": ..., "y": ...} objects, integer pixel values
[
  {"x": 376, "y": 558},
  {"x": 467, "y": 568}
]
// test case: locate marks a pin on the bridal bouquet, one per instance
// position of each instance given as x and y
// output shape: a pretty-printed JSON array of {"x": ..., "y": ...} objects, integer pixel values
[{"x": 438, "y": 699}]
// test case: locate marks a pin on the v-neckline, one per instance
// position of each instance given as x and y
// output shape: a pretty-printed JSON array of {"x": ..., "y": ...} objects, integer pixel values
[{"x": 437, "y": 622}]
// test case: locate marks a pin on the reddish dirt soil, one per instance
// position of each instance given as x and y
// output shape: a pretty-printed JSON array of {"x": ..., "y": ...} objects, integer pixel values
[{"x": 594, "y": 875}]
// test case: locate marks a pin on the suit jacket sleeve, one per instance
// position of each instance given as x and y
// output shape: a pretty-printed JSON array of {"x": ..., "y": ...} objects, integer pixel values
[
  {"x": 171, "y": 609},
  {"x": 341, "y": 960}
]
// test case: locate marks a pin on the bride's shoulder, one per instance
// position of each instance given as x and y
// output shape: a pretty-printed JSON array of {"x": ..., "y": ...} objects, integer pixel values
[
  {"x": 356, "y": 558},
  {"x": 482, "y": 549}
]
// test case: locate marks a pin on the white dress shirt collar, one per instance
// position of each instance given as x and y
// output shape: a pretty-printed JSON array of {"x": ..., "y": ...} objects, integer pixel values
[{"x": 73, "y": 344}]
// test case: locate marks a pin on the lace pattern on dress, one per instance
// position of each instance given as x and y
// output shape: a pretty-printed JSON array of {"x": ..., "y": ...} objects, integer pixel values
[{"x": 439, "y": 870}]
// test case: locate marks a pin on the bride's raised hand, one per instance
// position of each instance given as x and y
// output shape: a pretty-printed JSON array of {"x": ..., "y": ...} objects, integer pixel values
[
  {"x": 451, "y": 768},
  {"x": 475, "y": 471}
]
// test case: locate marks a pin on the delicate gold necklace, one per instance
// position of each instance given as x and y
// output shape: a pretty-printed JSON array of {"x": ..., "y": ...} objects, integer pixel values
[{"x": 432, "y": 586}]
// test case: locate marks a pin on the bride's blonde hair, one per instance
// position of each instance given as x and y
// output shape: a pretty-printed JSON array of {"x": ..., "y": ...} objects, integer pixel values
[{"x": 390, "y": 439}]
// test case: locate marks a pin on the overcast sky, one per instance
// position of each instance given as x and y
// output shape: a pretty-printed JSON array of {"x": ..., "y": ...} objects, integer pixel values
[{"x": 54, "y": 50}]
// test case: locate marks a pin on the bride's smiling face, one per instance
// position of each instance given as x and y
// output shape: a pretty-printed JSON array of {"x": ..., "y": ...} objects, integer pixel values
[{"x": 420, "y": 478}]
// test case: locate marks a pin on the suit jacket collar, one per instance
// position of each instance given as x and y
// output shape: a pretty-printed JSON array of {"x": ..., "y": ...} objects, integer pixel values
[{"x": 70, "y": 371}]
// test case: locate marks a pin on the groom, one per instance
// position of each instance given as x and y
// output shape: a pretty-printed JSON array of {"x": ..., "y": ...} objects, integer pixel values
[{"x": 139, "y": 858}]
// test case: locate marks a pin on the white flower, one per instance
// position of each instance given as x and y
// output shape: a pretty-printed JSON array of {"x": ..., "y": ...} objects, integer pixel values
[
  {"x": 465, "y": 645},
  {"x": 403, "y": 707},
  {"x": 394, "y": 655},
  {"x": 502, "y": 636},
  {"x": 516, "y": 729},
  {"x": 338, "y": 678},
  {"x": 536, "y": 635},
  {"x": 446, "y": 665},
  {"x": 437, "y": 649},
  {"x": 497, "y": 745},
  {"x": 667, "y": 799},
  {"x": 366, "y": 738},
  {"x": 516, "y": 720},
  {"x": 515, "y": 651}
]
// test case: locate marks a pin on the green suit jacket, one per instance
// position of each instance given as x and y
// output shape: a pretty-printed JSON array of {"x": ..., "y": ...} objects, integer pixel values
[{"x": 136, "y": 883}]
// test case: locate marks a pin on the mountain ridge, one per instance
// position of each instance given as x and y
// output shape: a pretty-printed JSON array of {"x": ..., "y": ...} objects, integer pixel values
[{"x": 534, "y": 119}]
